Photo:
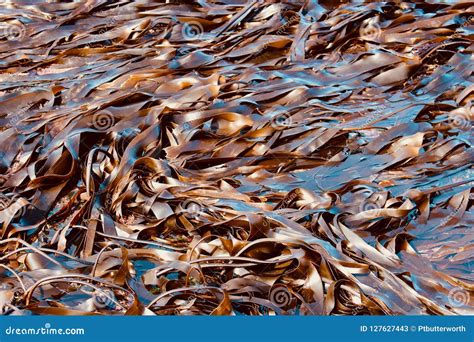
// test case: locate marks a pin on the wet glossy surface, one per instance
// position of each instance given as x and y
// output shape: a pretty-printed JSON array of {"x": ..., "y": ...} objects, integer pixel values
[{"x": 253, "y": 158}]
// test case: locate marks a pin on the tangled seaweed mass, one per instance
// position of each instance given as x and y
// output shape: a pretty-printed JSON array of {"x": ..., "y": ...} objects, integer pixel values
[{"x": 231, "y": 157}]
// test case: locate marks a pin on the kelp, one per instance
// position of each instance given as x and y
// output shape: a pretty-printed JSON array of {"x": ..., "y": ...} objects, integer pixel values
[{"x": 224, "y": 158}]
